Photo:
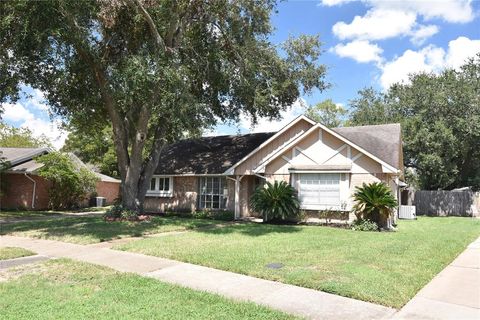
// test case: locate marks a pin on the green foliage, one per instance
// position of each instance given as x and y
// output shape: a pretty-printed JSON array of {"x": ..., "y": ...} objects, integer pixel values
[
  {"x": 375, "y": 202},
  {"x": 364, "y": 225},
  {"x": 114, "y": 212},
  {"x": 275, "y": 201},
  {"x": 440, "y": 118},
  {"x": 223, "y": 215},
  {"x": 70, "y": 184},
  {"x": 371, "y": 107},
  {"x": 327, "y": 113},
  {"x": 153, "y": 70},
  {"x": 11, "y": 137},
  {"x": 96, "y": 148}
]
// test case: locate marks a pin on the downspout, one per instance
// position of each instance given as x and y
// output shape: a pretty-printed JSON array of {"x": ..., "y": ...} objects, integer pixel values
[{"x": 34, "y": 189}]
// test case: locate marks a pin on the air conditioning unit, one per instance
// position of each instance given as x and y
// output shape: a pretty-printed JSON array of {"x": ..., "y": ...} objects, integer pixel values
[
  {"x": 407, "y": 212},
  {"x": 100, "y": 201}
]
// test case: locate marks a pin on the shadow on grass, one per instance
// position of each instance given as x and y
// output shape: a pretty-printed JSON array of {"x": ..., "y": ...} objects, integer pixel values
[
  {"x": 95, "y": 229},
  {"x": 252, "y": 229}
]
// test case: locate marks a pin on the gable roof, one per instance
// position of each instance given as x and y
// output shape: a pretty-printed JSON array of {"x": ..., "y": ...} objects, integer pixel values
[
  {"x": 360, "y": 139},
  {"x": 16, "y": 156},
  {"x": 22, "y": 160},
  {"x": 208, "y": 155},
  {"x": 383, "y": 141}
]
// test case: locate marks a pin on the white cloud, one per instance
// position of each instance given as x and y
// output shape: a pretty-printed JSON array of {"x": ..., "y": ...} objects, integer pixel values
[
  {"x": 331, "y": 3},
  {"x": 51, "y": 129},
  {"x": 16, "y": 112},
  {"x": 37, "y": 100},
  {"x": 460, "y": 49},
  {"x": 389, "y": 19},
  {"x": 20, "y": 115},
  {"x": 376, "y": 24},
  {"x": 423, "y": 33},
  {"x": 453, "y": 11},
  {"x": 428, "y": 59},
  {"x": 360, "y": 50},
  {"x": 265, "y": 125}
]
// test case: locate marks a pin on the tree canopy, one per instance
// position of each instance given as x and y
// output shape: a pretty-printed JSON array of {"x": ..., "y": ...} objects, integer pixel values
[
  {"x": 12, "y": 137},
  {"x": 153, "y": 70},
  {"x": 440, "y": 117},
  {"x": 95, "y": 148},
  {"x": 327, "y": 113}
]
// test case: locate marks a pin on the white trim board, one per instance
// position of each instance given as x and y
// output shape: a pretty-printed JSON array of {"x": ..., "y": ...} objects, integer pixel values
[
  {"x": 230, "y": 170},
  {"x": 385, "y": 166}
]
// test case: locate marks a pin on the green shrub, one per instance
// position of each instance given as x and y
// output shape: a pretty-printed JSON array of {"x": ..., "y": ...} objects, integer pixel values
[
  {"x": 277, "y": 201},
  {"x": 214, "y": 215},
  {"x": 223, "y": 215},
  {"x": 364, "y": 225},
  {"x": 201, "y": 214},
  {"x": 119, "y": 212},
  {"x": 129, "y": 215},
  {"x": 375, "y": 202},
  {"x": 114, "y": 212},
  {"x": 70, "y": 184}
]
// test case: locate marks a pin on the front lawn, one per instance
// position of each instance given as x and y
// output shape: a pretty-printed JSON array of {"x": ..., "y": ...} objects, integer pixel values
[
  {"x": 64, "y": 289},
  {"x": 23, "y": 214},
  {"x": 86, "y": 230},
  {"x": 14, "y": 252},
  {"x": 382, "y": 267}
]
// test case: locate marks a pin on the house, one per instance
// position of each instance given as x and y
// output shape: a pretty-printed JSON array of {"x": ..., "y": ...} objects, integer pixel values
[
  {"x": 324, "y": 165},
  {"x": 25, "y": 189}
]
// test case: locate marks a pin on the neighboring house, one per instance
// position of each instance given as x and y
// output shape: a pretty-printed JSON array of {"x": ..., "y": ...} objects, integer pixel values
[
  {"x": 324, "y": 165},
  {"x": 24, "y": 188}
]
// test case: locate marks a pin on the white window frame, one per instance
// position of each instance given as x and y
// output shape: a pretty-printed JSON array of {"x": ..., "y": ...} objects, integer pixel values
[
  {"x": 157, "y": 192},
  {"x": 222, "y": 193},
  {"x": 342, "y": 189}
]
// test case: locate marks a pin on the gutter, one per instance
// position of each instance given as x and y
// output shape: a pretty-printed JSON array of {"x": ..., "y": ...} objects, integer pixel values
[{"x": 34, "y": 189}]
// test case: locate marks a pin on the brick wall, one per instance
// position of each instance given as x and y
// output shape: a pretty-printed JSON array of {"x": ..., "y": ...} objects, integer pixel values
[
  {"x": 19, "y": 191},
  {"x": 109, "y": 190},
  {"x": 184, "y": 197}
]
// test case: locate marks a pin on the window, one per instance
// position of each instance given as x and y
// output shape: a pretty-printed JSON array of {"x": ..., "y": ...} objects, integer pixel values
[
  {"x": 319, "y": 190},
  {"x": 212, "y": 193},
  {"x": 161, "y": 186}
]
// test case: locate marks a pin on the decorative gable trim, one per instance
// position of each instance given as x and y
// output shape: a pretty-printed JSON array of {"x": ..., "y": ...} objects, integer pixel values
[{"x": 231, "y": 170}]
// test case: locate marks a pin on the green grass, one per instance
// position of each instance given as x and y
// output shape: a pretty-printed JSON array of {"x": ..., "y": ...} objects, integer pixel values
[
  {"x": 63, "y": 289},
  {"x": 24, "y": 214},
  {"x": 382, "y": 267},
  {"x": 14, "y": 252},
  {"x": 86, "y": 230}
]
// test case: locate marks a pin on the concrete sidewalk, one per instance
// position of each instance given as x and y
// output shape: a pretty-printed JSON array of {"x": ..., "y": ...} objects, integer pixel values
[
  {"x": 453, "y": 294},
  {"x": 291, "y": 299}
]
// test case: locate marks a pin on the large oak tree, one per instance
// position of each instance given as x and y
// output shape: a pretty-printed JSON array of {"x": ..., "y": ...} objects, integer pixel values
[{"x": 153, "y": 70}]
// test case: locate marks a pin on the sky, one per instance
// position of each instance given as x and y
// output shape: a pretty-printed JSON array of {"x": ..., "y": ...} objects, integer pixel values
[{"x": 368, "y": 43}]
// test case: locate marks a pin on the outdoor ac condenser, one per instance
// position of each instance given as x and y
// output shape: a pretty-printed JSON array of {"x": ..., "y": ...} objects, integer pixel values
[{"x": 407, "y": 212}]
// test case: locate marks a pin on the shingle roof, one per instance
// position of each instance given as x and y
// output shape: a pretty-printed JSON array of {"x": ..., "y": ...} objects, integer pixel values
[
  {"x": 383, "y": 141},
  {"x": 208, "y": 155},
  {"x": 19, "y": 155},
  {"x": 214, "y": 155}
]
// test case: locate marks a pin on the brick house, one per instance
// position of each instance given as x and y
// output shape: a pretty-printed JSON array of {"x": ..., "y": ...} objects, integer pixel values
[
  {"x": 25, "y": 189},
  {"x": 324, "y": 165}
]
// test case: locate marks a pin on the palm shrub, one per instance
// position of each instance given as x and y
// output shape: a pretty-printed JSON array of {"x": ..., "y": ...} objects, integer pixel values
[
  {"x": 275, "y": 201},
  {"x": 374, "y": 202}
]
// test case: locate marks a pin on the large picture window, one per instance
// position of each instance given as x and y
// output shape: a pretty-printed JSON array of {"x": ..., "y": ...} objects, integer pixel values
[
  {"x": 212, "y": 193},
  {"x": 319, "y": 190},
  {"x": 160, "y": 186}
]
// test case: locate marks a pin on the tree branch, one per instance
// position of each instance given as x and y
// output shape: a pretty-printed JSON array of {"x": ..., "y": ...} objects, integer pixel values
[
  {"x": 121, "y": 145},
  {"x": 151, "y": 25}
]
